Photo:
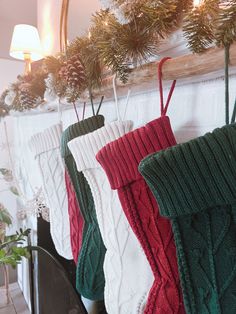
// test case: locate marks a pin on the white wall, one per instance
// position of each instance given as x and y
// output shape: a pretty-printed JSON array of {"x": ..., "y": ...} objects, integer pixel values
[
  {"x": 79, "y": 17},
  {"x": 9, "y": 69},
  {"x": 14, "y": 12}
]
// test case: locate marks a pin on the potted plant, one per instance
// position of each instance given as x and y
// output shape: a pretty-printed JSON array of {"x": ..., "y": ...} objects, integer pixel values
[{"x": 11, "y": 249}]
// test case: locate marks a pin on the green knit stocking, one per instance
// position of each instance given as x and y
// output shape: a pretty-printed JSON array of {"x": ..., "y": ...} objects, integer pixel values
[
  {"x": 90, "y": 277},
  {"x": 195, "y": 186}
]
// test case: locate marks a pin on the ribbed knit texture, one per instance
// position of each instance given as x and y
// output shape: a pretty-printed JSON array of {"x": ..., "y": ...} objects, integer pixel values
[
  {"x": 46, "y": 147},
  {"x": 195, "y": 185},
  {"x": 90, "y": 276},
  {"x": 125, "y": 292},
  {"x": 120, "y": 159},
  {"x": 75, "y": 217}
]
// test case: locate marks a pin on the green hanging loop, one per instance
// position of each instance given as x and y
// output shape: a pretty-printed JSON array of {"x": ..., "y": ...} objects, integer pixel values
[
  {"x": 234, "y": 113},
  {"x": 227, "y": 56},
  {"x": 227, "y": 84},
  {"x": 91, "y": 100}
]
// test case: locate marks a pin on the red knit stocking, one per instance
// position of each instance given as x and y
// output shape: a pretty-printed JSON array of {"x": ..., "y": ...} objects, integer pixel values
[
  {"x": 76, "y": 219},
  {"x": 120, "y": 160}
]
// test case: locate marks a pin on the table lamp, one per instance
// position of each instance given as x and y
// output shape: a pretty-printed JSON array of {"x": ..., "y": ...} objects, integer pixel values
[{"x": 25, "y": 45}]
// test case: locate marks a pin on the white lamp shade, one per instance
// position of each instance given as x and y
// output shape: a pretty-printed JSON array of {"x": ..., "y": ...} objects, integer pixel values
[{"x": 25, "y": 40}]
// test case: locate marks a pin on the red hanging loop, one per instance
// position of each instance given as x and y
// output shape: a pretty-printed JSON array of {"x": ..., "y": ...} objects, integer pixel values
[{"x": 164, "y": 108}]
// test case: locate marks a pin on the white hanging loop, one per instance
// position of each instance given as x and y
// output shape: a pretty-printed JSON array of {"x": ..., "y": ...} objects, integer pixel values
[
  {"x": 115, "y": 96},
  {"x": 59, "y": 111},
  {"x": 126, "y": 103}
]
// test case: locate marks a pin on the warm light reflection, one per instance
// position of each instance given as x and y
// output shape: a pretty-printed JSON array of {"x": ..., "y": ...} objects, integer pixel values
[
  {"x": 47, "y": 38},
  {"x": 196, "y": 3}
]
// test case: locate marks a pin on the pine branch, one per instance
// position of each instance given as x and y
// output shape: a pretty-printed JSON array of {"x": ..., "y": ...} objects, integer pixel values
[
  {"x": 160, "y": 16},
  {"x": 198, "y": 29},
  {"x": 52, "y": 64},
  {"x": 4, "y": 109},
  {"x": 120, "y": 45},
  {"x": 37, "y": 84},
  {"x": 90, "y": 59},
  {"x": 104, "y": 38},
  {"x": 226, "y": 24}
]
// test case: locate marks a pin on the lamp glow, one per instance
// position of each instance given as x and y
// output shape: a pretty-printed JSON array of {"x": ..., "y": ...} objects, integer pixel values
[{"x": 25, "y": 45}]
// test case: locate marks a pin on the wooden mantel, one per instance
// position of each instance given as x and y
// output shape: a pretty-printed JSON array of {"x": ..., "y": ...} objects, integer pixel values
[{"x": 186, "y": 69}]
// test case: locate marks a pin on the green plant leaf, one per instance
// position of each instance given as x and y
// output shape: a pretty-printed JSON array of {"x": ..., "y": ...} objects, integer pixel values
[
  {"x": 14, "y": 190},
  {"x": 5, "y": 216},
  {"x": 4, "y": 171},
  {"x": 10, "y": 252},
  {"x": 2, "y": 254}
]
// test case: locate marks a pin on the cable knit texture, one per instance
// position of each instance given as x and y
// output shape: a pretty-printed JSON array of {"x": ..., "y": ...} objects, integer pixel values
[
  {"x": 90, "y": 276},
  {"x": 125, "y": 292},
  {"x": 76, "y": 219},
  {"x": 120, "y": 159},
  {"x": 195, "y": 185},
  {"x": 46, "y": 147}
]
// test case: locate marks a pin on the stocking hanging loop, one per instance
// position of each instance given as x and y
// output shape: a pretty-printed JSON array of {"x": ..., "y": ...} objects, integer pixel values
[
  {"x": 119, "y": 118},
  {"x": 116, "y": 99},
  {"x": 164, "y": 108},
  {"x": 59, "y": 111}
]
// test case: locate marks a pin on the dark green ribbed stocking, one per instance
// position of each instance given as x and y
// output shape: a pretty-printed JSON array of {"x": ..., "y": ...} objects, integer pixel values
[
  {"x": 90, "y": 277},
  {"x": 195, "y": 186}
]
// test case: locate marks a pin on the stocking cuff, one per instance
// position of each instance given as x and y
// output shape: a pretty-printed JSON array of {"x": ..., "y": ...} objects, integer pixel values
[
  {"x": 120, "y": 159},
  {"x": 78, "y": 129},
  {"x": 194, "y": 176},
  {"x": 47, "y": 140},
  {"x": 85, "y": 148}
]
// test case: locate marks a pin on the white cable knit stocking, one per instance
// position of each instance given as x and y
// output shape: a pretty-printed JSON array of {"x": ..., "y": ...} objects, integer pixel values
[
  {"x": 46, "y": 147},
  {"x": 128, "y": 277}
]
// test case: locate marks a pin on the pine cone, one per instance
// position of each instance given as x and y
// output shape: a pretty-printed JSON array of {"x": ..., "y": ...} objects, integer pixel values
[
  {"x": 26, "y": 100},
  {"x": 73, "y": 72}
]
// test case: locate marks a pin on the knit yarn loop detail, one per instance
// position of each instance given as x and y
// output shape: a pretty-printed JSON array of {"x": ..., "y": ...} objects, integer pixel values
[
  {"x": 125, "y": 292},
  {"x": 128, "y": 151},
  {"x": 75, "y": 217},
  {"x": 120, "y": 160},
  {"x": 195, "y": 185},
  {"x": 90, "y": 276},
  {"x": 195, "y": 175},
  {"x": 46, "y": 147}
]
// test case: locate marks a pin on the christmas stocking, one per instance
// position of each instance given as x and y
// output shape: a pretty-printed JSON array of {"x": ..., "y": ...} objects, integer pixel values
[
  {"x": 195, "y": 185},
  {"x": 46, "y": 147},
  {"x": 90, "y": 275},
  {"x": 76, "y": 219},
  {"x": 125, "y": 292},
  {"x": 120, "y": 159}
]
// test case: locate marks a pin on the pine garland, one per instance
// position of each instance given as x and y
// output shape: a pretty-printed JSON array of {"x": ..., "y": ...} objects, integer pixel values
[
  {"x": 89, "y": 56},
  {"x": 103, "y": 35},
  {"x": 37, "y": 83},
  {"x": 4, "y": 109},
  {"x": 161, "y": 16},
  {"x": 53, "y": 66},
  {"x": 28, "y": 91},
  {"x": 199, "y": 26},
  {"x": 198, "y": 30},
  {"x": 226, "y": 30},
  {"x": 124, "y": 34},
  {"x": 212, "y": 22}
]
